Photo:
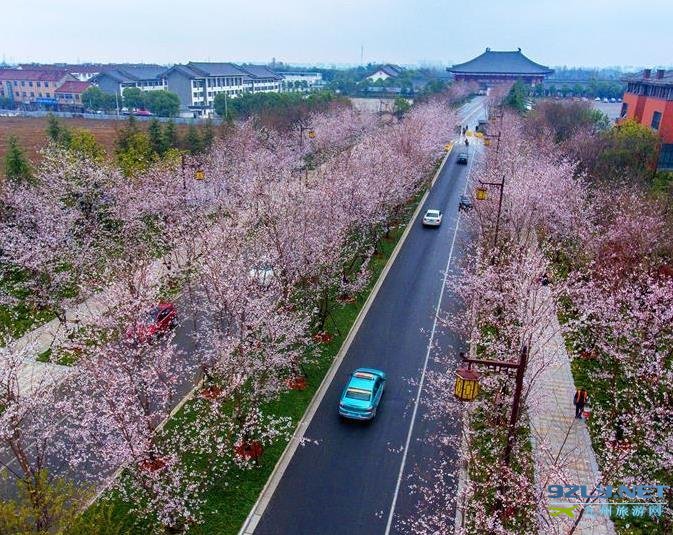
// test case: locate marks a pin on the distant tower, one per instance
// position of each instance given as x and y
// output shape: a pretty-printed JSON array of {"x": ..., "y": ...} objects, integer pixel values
[{"x": 362, "y": 54}]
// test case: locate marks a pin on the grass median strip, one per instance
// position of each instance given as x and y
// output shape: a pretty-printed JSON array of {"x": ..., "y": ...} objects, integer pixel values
[{"x": 230, "y": 499}]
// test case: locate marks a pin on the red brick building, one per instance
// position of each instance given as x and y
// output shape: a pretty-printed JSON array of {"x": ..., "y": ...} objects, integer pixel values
[
  {"x": 495, "y": 67},
  {"x": 648, "y": 99}
]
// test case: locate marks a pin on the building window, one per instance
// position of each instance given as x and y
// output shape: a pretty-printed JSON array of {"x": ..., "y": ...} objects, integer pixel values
[
  {"x": 16, "y": 83},
  {"x": 656, "y": 120},
  {"x": 625, "y": 109},
  {"x": 23, "y": 83},
  {"x": 39, "y": 95},
  {"x": 30, "y": 84},
  {"x": 32, "y": 94}
]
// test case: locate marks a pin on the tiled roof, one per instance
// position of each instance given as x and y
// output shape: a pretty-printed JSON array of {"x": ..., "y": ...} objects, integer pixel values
[
  {"x": 500, "y": 62},
  {"x": 133, "y": 73},
  {"x": 73, "y": 87},
  {"x": 216, "y": 69},
  {"x": 88, "y": 68},
  {"x": 260, "y": 71},
  {"x": 389, "y": 69},
  {"x": 48, "y": 75},
  {"x": 654, "y": 77}
]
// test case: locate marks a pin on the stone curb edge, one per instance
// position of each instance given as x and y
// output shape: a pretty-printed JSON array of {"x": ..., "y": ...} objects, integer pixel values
[{"x": 272, "y": 483}]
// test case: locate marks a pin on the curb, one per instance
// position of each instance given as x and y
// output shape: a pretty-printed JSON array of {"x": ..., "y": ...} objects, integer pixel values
[{"x": 267, "y": 492}]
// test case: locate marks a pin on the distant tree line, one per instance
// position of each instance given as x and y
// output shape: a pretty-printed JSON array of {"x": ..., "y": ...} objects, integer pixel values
[
  {"x": 136, "y": 149},
  {"x": 276, "y": 110},
  {"x": 162, "y": 103}
]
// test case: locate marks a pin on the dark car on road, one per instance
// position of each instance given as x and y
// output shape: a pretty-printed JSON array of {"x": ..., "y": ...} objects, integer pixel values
[
  {"x": 462, "y": 158},
  {"x": 465, "y": 203},
  {"x": 159, "y": 320}
]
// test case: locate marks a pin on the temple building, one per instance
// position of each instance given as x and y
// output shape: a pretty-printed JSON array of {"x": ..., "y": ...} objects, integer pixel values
[{"x": 495, "y": 66}]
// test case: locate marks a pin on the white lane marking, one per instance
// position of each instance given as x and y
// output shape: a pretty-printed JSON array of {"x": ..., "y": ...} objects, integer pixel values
[{"x": 425, "y": 366}]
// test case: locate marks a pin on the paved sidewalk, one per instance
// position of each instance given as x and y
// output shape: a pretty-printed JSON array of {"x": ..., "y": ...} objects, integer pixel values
[
  {"x": 53, "y": 333},
  {"x": 561, "y": 443}
]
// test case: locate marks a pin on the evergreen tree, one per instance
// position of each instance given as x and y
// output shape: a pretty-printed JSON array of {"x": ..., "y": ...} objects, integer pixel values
[
  {"x": 207, "y": 135},
  {"x": 53, "y": 128},
  {"x": 170, "y": 136},
  {"x": 125, "y": 134},
  {"x": 193, "y": 141},
  {"x": 17, "y": 168},
  {"x": 156, "y": 137}
]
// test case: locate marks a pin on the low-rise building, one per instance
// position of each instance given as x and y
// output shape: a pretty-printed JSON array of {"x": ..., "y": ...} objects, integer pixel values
[
  {"x": 197, "y": 84},
  {"x": 261, "y": 79},
  {"x": 294, "y": 81},
  {"x": 33, "y": 87},
  {"x": 83, "y": 72},
  {"x": 69, "y": 94},
  {"x": 648, "y": 99},
  {"x": 115, "y": 78},
  {"x": 384, "y": 72}
]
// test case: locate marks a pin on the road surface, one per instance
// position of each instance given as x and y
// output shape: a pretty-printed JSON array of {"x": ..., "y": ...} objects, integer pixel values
[{"x": 348, "y": 482}]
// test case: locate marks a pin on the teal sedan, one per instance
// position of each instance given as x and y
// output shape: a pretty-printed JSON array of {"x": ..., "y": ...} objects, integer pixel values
[{"x": 361, "y": 396}]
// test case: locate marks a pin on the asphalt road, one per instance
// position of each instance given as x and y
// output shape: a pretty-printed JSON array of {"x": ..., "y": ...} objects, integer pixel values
[{"x": 346, "y": 483}]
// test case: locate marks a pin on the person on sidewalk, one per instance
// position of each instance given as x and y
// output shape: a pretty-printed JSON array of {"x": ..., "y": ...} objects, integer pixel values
[{"x": 580, "y": 400}]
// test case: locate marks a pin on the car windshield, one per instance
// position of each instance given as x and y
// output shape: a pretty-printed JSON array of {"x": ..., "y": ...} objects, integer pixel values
[
  {"x": 151, "y": 316},
  {"x": 357, "y": 393},
  {"x": 462, "y": 155},
  {"x": 432, "y": 213}
]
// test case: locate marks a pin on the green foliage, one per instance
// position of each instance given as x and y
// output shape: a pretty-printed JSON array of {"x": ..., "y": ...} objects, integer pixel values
[
  {"x": 95, "y": 99},
  {"x": 401, "y": 106},
  {"x": 630, "y": 150},
  {"x": 193, "y": 140},
  {"x": 157, "y": 140},
  {"x": 53, "y": 128},
  {"x": 7, "y": 103},
  {"x": 17, "y": 167},
  {"x": 565, "y": 119},
  {"x": 42, "y": 507},
  {"x": 134, "y": 98},
  {"x": 138, "y": 155},
  {"x": 83, "y": 143},
  {"x": 162, "y": 103},
  {"x": 207, "y": 134},
  {"x": 517, "y": 98},
  {"x": 170, "y": 135}
]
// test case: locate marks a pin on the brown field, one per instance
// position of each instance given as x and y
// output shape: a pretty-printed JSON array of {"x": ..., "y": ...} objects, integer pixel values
[{"x": 30, "y": 131}]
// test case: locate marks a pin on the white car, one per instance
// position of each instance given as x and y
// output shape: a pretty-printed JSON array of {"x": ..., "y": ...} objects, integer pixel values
[
  {"x": 262, "y": 274},
  {"x": 432, "y": 218}
]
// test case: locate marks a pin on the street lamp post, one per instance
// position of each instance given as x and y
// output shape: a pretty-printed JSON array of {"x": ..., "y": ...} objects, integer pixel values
[
  {"x": 500, "y": 185},
  {"x": 520, "y": 367}
]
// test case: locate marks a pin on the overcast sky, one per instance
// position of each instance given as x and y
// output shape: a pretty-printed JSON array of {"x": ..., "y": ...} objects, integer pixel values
[{"x": 552, "y": 32}]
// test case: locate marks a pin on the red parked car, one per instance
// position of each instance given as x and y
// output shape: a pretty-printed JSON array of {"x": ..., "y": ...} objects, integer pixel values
[{"x": 159, "y": 320}]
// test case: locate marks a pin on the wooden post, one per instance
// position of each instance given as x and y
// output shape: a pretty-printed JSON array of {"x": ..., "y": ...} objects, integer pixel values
[{"x": 516, "y": 404}]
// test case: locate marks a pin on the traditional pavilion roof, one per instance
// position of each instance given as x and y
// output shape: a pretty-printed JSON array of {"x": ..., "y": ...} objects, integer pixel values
[{"x": 501, "y": 62}]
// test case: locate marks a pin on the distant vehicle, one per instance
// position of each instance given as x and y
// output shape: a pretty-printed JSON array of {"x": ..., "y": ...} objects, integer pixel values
[
  {"x": 142, "y": 113},
  {"x": 605, "y": 99},
  {"x": 613, "y": 99},
  {"x": 362, "y": 394},
  {"x": 159, "y": 320},
  {"x": 432, "y": 218},
  {"x": 462, "y": 158},
  {"x": 597, "y": 99},
  {"x": 465, "y": 203}
]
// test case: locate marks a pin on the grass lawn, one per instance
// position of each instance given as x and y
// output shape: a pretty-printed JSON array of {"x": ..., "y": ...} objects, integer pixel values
[{"x": 230, "y": 500}]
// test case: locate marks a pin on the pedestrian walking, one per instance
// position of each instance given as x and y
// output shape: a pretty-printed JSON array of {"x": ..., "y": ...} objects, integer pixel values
[{"x": 580, "y": 399}]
